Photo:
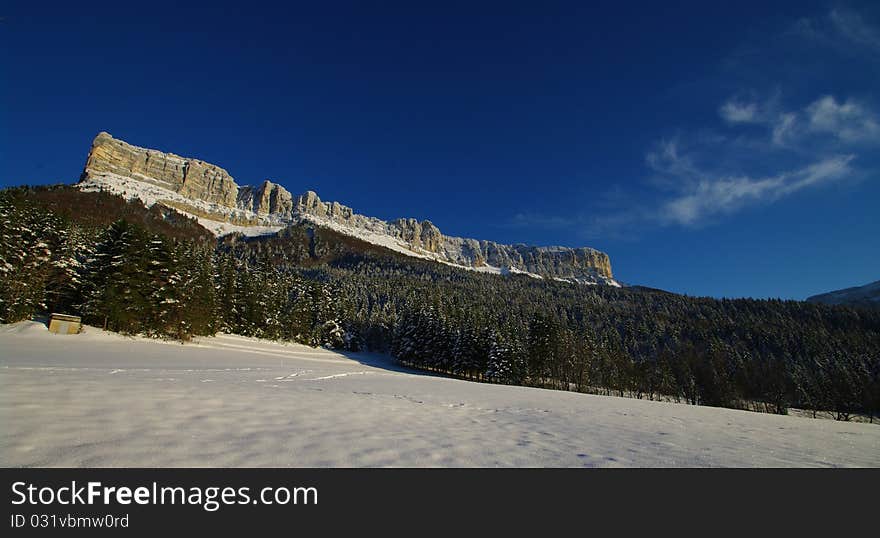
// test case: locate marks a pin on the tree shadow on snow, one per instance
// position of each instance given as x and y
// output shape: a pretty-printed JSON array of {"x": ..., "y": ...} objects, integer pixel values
[{"x": 384, "y": 362}]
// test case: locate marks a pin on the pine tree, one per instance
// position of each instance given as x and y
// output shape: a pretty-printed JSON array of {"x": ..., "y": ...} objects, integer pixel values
[
  {"x": 118, "y": 292},
  {"x": 506, "y": 362},
  {"x": 26, "y": 238},
  {"x": 64, "y": 286},
  {"x": 541, "y": 348}
]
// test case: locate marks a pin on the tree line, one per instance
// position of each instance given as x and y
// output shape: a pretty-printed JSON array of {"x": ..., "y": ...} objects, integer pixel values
[{"x": 154, "y": 272}]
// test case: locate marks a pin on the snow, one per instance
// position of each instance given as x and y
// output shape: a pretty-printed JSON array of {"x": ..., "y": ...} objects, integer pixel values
[
  {"x": 372, "y": 230},
  {"x": 867, "y": 294},
  {"x": 381, "y": 239},
  {"x": 390, "y": 242},
  {"x": 224, "y": 228},
  {"x": 587, "y": 282},
  {"x": 515, "y": 271},
  {"x": 99, "y": 399},
  {"x": 150, "y": 192}
]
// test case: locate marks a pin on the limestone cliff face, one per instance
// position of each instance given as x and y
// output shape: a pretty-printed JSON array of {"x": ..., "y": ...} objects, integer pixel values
[
  {"x": 209, "y": 192},
  {"x": 309, "y": 204},
  {"x": 191, "y": 178},
  {"x": 267, "y": 199},
  {"x": 562, "y": 262},
  {"x": 423, "y": 235}
]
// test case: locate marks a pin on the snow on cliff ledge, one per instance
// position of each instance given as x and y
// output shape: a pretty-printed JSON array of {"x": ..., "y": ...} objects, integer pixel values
[
  {"x": 210, "y": 194},
  {"x": 150, "y": 194}
]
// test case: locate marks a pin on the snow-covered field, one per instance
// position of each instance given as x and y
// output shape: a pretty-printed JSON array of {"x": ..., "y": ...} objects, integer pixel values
[{"x": 99, "y": 399}]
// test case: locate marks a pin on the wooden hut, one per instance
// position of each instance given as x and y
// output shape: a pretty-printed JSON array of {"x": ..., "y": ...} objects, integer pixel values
[{"x": 64, "y": 324}]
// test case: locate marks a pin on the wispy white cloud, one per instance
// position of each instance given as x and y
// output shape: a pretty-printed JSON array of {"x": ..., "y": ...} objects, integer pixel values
[
  {"x": 724, "y": 195},
  {"x": 764, "y": 148},
  {"x": 768, "y": 151},
  {"x": 840, "y": 29},
  {"x": 700, "y": 177},
  {"x": 783, "y": 128},
  {"x": 849, "y": 121},
  {"x": 739, "y": 112},
  {"x": 708, "y": 178},
  {"x": 855, "y": 28},
  {"x": 667, "y": 159}
]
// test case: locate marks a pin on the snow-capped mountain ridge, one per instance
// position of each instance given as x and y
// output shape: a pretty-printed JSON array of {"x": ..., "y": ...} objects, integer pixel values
[
  {"x": 867, "y": 295},
  {"x": 211, "y": 195}
]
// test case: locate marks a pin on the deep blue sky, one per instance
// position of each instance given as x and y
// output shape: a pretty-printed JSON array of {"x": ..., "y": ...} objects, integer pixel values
[{"x": 710, "y": 150}]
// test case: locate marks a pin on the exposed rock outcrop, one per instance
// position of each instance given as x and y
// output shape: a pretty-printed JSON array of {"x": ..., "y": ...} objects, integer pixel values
[
  {"x": 191, "y": 178},
  {"x": 423, "y": 235},
  {"x": 269, "y": 198},
  {"x": 209, "y": 192}
]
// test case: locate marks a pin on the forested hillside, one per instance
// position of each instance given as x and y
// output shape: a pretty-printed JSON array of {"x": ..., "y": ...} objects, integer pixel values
[{"x": 157, "y": 272}]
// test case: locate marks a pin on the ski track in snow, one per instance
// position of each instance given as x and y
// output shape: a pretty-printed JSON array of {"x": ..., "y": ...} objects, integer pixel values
[{"x": 102, "y": 400}]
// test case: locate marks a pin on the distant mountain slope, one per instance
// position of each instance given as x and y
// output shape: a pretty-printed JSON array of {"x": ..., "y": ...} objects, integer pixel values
[
  {"x": 867, "y": 295},
  {"x": 209, "y": 193}
]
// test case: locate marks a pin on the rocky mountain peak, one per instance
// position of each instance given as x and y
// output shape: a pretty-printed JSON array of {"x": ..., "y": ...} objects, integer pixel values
[
  {"x": 422, "y": 234},
  {"x": 265, "y": 199},
  {"x": 209, "y": 193},
  {"x": 191, "y": 178}
]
